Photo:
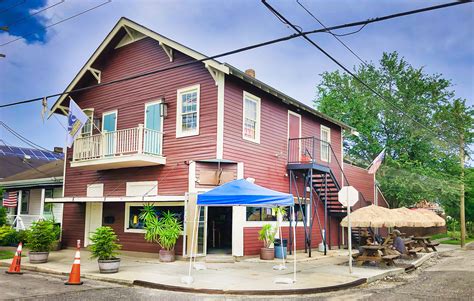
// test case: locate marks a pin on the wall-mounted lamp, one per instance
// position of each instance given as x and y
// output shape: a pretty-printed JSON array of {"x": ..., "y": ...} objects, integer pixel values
[{"x": 164, "y": 108}]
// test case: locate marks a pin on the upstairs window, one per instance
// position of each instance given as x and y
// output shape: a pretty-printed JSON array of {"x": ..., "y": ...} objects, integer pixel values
[
  {"x": 325, "y": 144},
  {"x": 87, "y": 128},
  {"x": 251, "y": 117},
  {"x": 187, "y": 120}
]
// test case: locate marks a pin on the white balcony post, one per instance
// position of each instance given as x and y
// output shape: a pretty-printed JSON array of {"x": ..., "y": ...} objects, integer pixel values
[
  {"x": 20, "y": 195},
  {"x": 43, "y": 196},
  {"x": 140, "y": 138},
  {"x": 103, "y": 145}
]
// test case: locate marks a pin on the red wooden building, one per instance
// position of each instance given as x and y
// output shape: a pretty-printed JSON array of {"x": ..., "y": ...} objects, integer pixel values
[{"x": 171, "y": 134}]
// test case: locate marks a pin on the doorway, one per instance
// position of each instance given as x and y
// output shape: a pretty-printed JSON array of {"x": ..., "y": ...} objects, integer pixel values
[{"x": 219, "y": 230}]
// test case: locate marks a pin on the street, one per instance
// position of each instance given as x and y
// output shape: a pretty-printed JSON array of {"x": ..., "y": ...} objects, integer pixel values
[{"x": 449, "y": 276}]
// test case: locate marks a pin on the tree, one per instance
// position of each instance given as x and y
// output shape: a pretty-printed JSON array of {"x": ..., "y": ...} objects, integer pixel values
[{"x": 420, "y": 159}]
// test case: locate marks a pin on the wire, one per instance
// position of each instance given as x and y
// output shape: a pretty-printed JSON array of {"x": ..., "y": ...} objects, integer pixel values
[
  {"x": 349, "y": 33},
  {"x": 352, "y": 74},
  {"x": 34, "y": 14},
  {"x": 13, "y": 6},
  {"x": 56, "y": 23},
  {"x": 336, "y": 37},
  {"x": 22, "y": 138},
  {"x": 266, "y": 43}
]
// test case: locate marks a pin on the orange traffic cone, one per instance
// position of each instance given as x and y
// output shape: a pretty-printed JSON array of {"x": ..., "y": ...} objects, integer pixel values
[
  {"x": 75, "y": 275},
  {"x": 16, "y": 262}
]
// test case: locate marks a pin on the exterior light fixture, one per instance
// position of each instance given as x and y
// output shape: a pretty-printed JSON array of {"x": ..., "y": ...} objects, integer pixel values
[{"x": 164, "y": 108}]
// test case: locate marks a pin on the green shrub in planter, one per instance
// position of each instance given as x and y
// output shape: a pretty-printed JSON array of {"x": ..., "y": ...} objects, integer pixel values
[
  {"x": 104, "y": 243},
  {"x": 104, "y": 247},
  {"x": 41, "y": 236}
]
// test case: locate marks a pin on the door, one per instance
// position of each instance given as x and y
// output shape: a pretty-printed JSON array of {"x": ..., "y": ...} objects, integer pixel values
[
  {"x": 219, "y": 230},
  {"x": 294, "y": 132},
  {"x": 109, "y": 128},
  {"x": 93, "y": 220},
  {"x": 153, "y": 128}
]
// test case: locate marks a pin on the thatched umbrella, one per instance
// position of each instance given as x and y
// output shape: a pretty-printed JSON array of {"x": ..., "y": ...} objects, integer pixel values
[
  {"x": 373, "y": 216},
  {"x": 411, "y": 218},
  {"x": 437, "y": 220}
]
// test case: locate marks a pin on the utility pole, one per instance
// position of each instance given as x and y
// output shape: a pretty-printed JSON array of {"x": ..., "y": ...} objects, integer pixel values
[{"x": 461, "y": 200}]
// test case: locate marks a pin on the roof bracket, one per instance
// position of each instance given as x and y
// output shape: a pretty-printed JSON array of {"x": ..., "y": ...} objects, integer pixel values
[
  {"x": 168, "y": 50},
  {"x": 214, "y": 73},
  {"x": 96, "y": 73}
]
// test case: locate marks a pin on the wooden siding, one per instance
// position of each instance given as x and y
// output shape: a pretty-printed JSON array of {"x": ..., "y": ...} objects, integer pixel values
[
  {"x": 132, "y": 241},
  {"x": 74, "y": 216},
  {"x": 361, "y": 180},
  {"x": 129, "y": 98}
]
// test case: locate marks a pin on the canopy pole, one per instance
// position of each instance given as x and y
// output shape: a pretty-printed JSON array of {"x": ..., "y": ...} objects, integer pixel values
[
  {"x": 192, "y": 244},
  {"x": 294, "y": 246}
]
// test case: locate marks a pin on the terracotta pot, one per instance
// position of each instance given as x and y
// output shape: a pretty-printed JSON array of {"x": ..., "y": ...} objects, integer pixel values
[
  {"x": 109, "y": 266},
  {"x": 38, "y": 257},
  {"x": 267, "y": 254},
  {"x": 166, "y": 256}
]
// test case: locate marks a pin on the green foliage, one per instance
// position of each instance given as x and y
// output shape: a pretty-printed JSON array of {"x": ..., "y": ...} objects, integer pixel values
[
  {"x": 8, "y": 236},
  {"x": 104, "y": 243},
  {"x": 165, "y": 230},
  {"x": 421, "y": 162},
  {"x": 41, "y": 236},
  {"x": 267, "y": 235},
  {"x": 3, "y": 216}
]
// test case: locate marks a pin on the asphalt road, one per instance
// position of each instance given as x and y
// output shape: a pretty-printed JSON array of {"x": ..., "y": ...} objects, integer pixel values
[{"x": 450, "y": 276}]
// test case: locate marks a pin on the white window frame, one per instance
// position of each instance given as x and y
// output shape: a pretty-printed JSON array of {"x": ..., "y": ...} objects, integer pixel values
[
  {"x": 108, "y": 113},
  {"x": 249, "y": 224},
  {"x": 257, "y": 100},
  {"x": 91, "y": 117},
  {"x": 328, "y": 130},
  {"x": 139, "y": 204},
  {"x": 179, "y": 121}
]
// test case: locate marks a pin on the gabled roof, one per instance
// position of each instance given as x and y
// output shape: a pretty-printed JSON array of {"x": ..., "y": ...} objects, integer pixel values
[
  {"x": 46, "y": 174},
  {"x": 137, "y": 31}
]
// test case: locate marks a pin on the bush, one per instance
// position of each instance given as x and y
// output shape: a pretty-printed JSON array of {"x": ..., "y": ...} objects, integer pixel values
[
  {"x": 164, "y": 231},
  {"x": 8, "y": 236},
  {"x": 41, "y": 236},
  {"x": 22, "y": 236},
  {"x": 3, "y": 216},
  {"x": 104, "y": 244}
]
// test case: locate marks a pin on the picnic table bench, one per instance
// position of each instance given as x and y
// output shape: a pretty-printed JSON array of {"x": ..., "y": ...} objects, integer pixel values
[
  {"x": 425, "y": 243},
  {"x": 371, "y": 253}
]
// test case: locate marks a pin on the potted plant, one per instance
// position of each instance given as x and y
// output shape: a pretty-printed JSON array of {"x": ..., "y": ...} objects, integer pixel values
[
  {"x": 104, "y": 247},
  {"x": 267, "y": 235},
  {"x": 164, "y": 230},
  {"x": 40, "y": 238}
]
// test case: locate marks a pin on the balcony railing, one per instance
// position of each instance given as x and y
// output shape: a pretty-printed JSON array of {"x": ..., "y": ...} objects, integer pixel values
[{"x": 121, "y": 143}]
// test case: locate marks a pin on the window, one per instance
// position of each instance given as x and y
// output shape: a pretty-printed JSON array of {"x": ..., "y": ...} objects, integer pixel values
[
  {"x": 132, "y": 213},
  {"x": 87, "y": 128},
  {"x": 325, "y": 144},
  {"x": 268, "y": 214},
  {"x": 251, "y": 117},
  {"x": 25, "y": 201},
  {"x": 187, "y": 119}
]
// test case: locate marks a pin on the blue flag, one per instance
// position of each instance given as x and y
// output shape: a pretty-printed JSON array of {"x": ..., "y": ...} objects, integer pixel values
[{"x": 75, "y": 121}]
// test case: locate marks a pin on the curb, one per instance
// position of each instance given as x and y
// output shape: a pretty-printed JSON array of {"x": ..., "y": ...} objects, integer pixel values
[{"x": 301, "y": 291}]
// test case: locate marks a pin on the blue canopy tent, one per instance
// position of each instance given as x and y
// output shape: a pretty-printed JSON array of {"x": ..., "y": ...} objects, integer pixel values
[{"x": 243, "y": 193}]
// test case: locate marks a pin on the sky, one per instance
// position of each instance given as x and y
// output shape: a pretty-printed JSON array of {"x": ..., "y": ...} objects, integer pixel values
[{"x": 45, "y": 58}]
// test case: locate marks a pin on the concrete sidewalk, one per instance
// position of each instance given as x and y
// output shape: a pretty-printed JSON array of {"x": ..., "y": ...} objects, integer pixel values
[{"x": 248, "y": 276}]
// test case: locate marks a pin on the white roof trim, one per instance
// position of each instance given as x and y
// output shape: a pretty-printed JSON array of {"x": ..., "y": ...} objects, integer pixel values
[
  {"x": 128, "y": 24},
  {"x": 29, "y": 182},
  {"x": 146, "y": 199}
]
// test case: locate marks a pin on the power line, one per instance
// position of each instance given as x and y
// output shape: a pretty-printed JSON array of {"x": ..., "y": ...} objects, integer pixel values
[
  {"x": 34, "y": 14},
  {"x": 350, "y": 72},
  {"x": 13, "y": 6},
  {"x": 56, "y": 23},
  {"x": 266, "y": 43},
  {"x": 335, "y": 36},
  {"x": 22, "y": 138}
]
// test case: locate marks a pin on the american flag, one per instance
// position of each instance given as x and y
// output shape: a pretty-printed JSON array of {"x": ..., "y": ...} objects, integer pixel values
[
  {"x": 377, "y": 162},
  {"x": 10, "y": 199}
]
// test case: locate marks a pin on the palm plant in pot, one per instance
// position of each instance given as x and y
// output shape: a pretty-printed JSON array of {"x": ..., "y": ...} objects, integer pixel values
[
  {"x": 40, "y": 239},
  {"x": 164, "y": 230},
  {"x": 267, "y": 235},
  {"x": 104, "y": 247}
]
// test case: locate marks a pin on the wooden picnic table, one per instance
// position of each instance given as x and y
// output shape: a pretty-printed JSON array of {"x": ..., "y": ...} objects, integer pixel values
[
  {"x": 371, "y": 253},
  {"x": 425, "y": 243}
]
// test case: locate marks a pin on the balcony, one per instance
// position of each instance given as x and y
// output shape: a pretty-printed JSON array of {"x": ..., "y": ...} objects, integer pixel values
[{"x": 134, "y": 147}]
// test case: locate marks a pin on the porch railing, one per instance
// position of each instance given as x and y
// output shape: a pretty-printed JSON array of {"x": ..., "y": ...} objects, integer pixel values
[
  {"x": 139, "y": 140},
  {"x": 23, "y": 221}
]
